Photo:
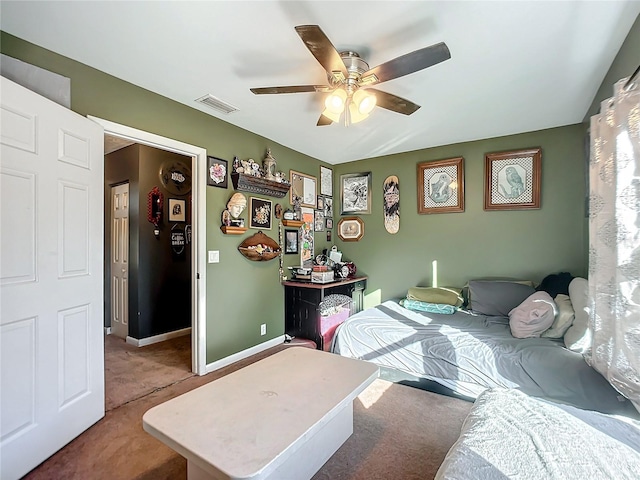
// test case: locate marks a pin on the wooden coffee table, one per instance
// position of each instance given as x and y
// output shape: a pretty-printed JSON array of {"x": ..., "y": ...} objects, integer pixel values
[{"x": 280, "y": 418}]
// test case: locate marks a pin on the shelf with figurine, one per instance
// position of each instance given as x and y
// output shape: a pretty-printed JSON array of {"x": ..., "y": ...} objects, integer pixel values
[
  {"x": 250, "y": 176},
  {"x": 232, "y": 223}
]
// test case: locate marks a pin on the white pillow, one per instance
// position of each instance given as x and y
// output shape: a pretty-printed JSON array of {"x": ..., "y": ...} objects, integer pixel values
[
  {"x": 533, "y": 316},
  {"x": 578, "y": 336},
  {"x": 563, "y": 319}
]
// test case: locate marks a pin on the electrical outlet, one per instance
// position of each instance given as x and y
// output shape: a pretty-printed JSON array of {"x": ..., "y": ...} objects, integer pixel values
[{"x": 263, "y": 329}]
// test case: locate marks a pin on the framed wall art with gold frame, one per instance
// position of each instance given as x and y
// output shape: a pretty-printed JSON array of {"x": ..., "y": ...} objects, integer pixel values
[
  {"x": 512, "y": 179},
  {"x": 441, "y": 186},
  {"x": 303, "y": 186}
]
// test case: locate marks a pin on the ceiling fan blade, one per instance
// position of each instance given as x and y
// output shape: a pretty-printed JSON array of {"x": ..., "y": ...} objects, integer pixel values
[
  {"x": 394, "y": 102},
  {"x": 292, "y": 89},
  {"x": 321, "y": 47},
  {"x": 322, "y": 121},
  {"x": 406, "y": 64}
]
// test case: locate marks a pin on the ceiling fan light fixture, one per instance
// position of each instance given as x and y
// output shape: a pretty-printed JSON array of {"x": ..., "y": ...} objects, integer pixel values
[
  {"x": 355, "y": 115},
  {"x": 335, "y": 101},
  {"x": 364, "y": 101},
  {"x": 334, "y": 117}
]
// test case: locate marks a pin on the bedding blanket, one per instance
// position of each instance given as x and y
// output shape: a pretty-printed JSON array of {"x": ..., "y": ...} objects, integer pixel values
[
  {"x": 510, "y": 435},
  {"x": 469, "y": 353}
]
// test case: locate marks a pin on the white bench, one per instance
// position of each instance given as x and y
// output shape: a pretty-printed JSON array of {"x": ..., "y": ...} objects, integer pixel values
[{"x": 280, "y": 418}]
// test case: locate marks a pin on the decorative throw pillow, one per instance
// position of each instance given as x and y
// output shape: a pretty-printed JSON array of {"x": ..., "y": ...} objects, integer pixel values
[
  {"x": 578, "y": 336},
  {"x": 444, "y": 295},
  {"x": 419, "y": 306},
  {"x": 563, "y": 319},
  {"x": 533, "y": 316},
  {"x": 496, "y": 298}
]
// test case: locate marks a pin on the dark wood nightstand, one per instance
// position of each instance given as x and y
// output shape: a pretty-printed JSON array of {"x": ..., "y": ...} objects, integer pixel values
[{"x": 301, "y": 302}]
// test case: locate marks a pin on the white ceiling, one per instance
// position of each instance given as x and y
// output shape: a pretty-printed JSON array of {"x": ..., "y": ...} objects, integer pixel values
[{"x": 515, "y": 66}]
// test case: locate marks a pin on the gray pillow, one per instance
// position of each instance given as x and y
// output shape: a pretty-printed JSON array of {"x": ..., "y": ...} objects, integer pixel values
[{"x": 497, "y": 298}]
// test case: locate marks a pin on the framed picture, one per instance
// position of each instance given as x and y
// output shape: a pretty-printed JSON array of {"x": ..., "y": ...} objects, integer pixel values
[
  {"x": 217, "y": 172},
  {"x": 355, "y": 193},
  {"x": 329, "y": 223},
  {"x": 318, "y": 221},
  {"x": 303, "y": 187},
  {"x": 350, "y": 229},
  {"x": 177, "y": 210},
  {"x": 260, "y": 213},
  {"x": 512, "y": 180},
  {"x": 290, "y": 241},
  {"x": 326, "y": 181},
  {"x": 441, "y": 186},
  {"x": 306, "y": 238},
  {"x": 328, "y": 207},
  {"x": 320, "y": 203}
]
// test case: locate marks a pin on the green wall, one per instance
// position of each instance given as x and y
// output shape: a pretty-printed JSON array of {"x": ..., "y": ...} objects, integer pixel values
[
  {"x": 241, "y": 294},
  {"x": 525, "y": 244},
  {"x": 626, "y": 61}
]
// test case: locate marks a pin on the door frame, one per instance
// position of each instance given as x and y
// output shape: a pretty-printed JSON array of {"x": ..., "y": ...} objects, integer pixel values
[{"x": 199, "y": 230}]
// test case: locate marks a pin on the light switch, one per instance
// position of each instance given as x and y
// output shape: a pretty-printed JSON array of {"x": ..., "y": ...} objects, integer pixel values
[{"x": 214, "y": 256}]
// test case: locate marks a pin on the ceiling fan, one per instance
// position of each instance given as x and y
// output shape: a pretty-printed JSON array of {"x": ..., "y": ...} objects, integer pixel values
[{"x": 350, "y": 78}]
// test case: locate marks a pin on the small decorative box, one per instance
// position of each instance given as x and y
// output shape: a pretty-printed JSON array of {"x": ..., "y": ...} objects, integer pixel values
[{"x": 322, "y": 277}]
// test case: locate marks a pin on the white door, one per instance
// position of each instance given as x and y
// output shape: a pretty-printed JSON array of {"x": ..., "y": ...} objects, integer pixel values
[
  {"x": 51, "y": 278},
  {"x": 120, "y": 260}
]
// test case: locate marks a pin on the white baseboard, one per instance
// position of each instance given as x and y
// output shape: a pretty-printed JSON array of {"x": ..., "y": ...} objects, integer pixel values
[
  {"x": 107, "y": 330},
  {"x": 243, "y": 354},
  {"x": 158, "y": 338}
]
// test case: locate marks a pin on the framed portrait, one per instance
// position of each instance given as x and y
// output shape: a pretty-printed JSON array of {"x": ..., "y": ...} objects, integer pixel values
[
  {"x": 350, "y": 229},
  {"x": 318, "y": 221},
  {"x": 512, "y": 180},
  {"x": 355, "y": 193},
  {"x": 177, "y": 211},
  {"x": 217, "y": 172},
  {"x": 260, "y": 213},
  {"x": 441, "y": 186},
  {"x": 290, "y": 241},
  {"x": 320, "y": 202},
  {"x": 329, "y": 223},
  {"x": 326, "y": 181},
  {"x": 303, "y": 187}
]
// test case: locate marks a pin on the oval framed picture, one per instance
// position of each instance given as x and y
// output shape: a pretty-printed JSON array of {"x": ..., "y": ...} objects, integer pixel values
[{"x": 350, "y": 229}]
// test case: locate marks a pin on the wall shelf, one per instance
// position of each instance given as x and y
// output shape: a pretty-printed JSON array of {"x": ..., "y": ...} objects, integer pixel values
[
  {"x": 228, "y": 230},
  {"x": 261, "y": 186},
  {"x": 292, "y": 223}
]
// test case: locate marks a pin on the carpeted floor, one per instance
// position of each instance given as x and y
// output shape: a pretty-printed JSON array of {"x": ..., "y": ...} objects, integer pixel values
[{"x": 399, "y": 432}]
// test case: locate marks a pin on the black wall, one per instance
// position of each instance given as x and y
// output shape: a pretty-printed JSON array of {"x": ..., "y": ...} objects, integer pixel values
[{"x": 159, "y": 281}]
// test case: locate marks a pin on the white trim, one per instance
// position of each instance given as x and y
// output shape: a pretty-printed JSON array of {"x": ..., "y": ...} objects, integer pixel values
[
  {"x": 107, "y": 330},
  {"x": 199, "y": 228},
  {"x": 158, "y": 338},
  {"x": 211, "y": 367}
]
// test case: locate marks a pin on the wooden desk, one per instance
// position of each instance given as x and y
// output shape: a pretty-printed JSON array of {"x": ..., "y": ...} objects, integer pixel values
[
  {"x": 279, "y": 418},
  {"x": 301, "y": 301}
]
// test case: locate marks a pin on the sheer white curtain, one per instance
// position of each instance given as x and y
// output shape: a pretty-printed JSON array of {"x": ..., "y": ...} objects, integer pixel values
[{"x": 614, "y": 240}]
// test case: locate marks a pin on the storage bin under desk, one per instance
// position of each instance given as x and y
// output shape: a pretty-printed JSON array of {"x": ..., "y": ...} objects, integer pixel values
[{"x": 301, "y": 302}]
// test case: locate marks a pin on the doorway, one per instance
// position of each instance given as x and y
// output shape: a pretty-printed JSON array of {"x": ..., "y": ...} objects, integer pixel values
[
  {"x": 198, "y": 157},
  {"x": 119, "y": 246}
]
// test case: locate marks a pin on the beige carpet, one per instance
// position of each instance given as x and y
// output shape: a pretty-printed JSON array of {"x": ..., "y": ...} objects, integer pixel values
[
  {"x": 132, "y": 372},
  {"x": 399, "y": 433}
]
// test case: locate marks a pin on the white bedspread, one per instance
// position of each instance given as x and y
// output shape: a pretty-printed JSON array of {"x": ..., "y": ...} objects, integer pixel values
[{"x": 511, "y": 435}]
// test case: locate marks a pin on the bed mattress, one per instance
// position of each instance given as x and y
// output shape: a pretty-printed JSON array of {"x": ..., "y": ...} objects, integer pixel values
[{"x": 469, "y": 353}]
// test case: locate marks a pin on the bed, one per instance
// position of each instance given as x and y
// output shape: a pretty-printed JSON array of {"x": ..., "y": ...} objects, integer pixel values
[
  {"x": 467, "y": 353},
  {"x": 509, "y": 434}
]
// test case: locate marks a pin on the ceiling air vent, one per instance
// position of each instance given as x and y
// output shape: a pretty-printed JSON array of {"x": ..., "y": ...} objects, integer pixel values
[{"x": 216, "y": 104}]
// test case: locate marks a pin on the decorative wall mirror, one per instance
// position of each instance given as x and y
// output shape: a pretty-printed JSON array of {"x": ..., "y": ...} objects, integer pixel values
[{"x": 155, "y": 201}]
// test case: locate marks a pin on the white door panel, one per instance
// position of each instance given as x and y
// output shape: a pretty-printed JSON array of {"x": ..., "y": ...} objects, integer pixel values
[
  {"x": 51, "y": 275},
  {"x": 120, "y": 260}
]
